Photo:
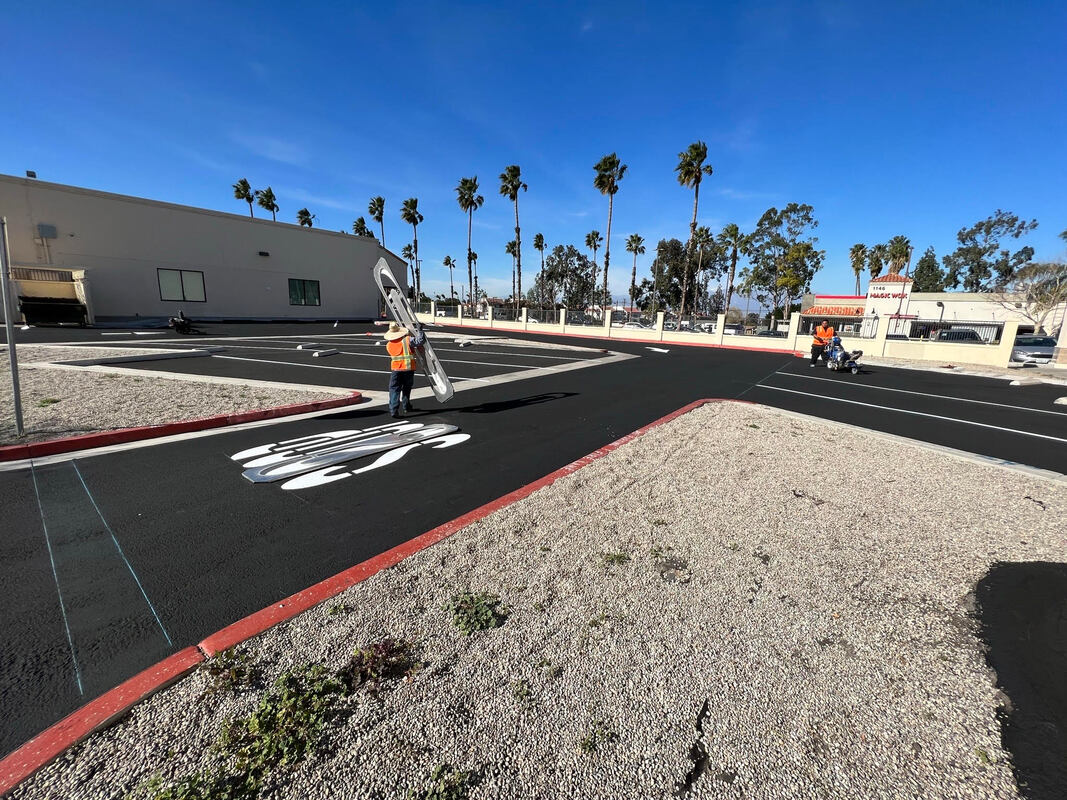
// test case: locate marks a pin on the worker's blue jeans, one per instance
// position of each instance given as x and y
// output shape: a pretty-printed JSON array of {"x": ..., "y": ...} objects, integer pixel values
[{"x": 400, "y": 383}]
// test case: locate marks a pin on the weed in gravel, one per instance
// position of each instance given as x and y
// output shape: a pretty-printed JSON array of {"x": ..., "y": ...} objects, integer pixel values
[
  {"x": 385, "y": 660},
  {"x": 752, "y": 425},
  {"x": 476, "y": 612},
  {"x": 445, "y": 783},
  {"x": 611, "y": 559},
  {"x": 598, "y": 620},
  {"x": 733, "y": 546},
  {"x": 983, "y": 757},
  {"x": 659, "y": 551},
  {"x": 521, "y": 691},
  {"x": 44, "y": 402},
  {"x": 659, "y": 523},
  {"x": 545, "y": 549},
  {"x": 230, "y": 669},
  {"x": 552, "y": 671},
  {"x": 337, "y": 609},
  {"x": 599, "y": 734}
]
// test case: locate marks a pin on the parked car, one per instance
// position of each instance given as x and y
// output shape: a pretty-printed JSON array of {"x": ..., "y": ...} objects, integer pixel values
[
  {"x": 635, "y": 326},
  {"x": 959, "y": 335},
  {"x": 903, "y": 336},
  {"x": 1031, "y": 349},
  {"x": 733, "y": 330},
  {"x": 775, "y": 334}
]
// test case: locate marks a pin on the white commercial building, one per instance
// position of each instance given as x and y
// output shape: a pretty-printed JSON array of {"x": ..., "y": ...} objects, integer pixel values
[{"x": 126, "y": 258}]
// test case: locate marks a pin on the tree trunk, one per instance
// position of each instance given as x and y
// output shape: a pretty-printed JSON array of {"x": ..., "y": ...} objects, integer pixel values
[
  {"x": 633, "y": 289},
  {"x": 857, "y": 283},
  {"x": 607, "y": 247},
  {"x": 542, "y": 280},
  {"x": 253, "y": 216},
  {"x": 518, "y": 254},
  {"x": 418, "y": 271},
  {"x": 730, "y": 285},
  {"x": 381, "y": 222},
  {"x": 470, "y": 269}
]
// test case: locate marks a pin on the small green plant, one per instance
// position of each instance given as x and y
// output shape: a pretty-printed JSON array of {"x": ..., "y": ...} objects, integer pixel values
[
  {"x": 659, "y": 551},
  {"x": 611, "y": 559},
  {"x": 385, "y": 660},
  {"x": 545, "y": 549},
  {"x": 230, "y": 669},
  {"x": 521, "y": 691},
  {"x": 44, "y": 402},
  {"x": 983, "y": 757},
  {"x": 445, "y": 783},
  {"x": 476, "y": 612},
  {"x": 552, "y": 671},
  {"x": 598, "y": 620},
  {"x": 598, "y": 735},
  {"x": 733, "y": 546},
  {"x": 659, "y": 523},
  {"x": 337, "y": 609},
  {"x": 751, "y": 425}
]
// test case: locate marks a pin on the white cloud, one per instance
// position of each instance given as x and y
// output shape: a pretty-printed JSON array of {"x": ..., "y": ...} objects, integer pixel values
[
  {"x": 321, "y": 201},
  {"x": 273, "y": 149}
]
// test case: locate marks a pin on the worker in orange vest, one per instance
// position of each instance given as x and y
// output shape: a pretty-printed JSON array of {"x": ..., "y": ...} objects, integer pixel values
[
  {"x": 401, "y": 347},
  {"x": 824, "y": 334}
]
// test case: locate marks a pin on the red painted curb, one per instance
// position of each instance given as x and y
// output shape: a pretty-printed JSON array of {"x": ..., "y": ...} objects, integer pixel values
[
  {"x": 86, "y": 441},
  {"x": 44, "y": 748},
  {"x": 49, "y": 745}
]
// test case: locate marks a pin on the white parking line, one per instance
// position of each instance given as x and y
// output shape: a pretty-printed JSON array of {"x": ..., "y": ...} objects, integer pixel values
[
  {"x": 340, "y": 369},
  {"x": 922, "y": 394},
  {"x": 917, "y": 413}
]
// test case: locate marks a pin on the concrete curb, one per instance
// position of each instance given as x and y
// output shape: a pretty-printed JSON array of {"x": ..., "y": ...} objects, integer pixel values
[
  {"x": 92, "y": 362},
  {"x": 96, "y": 715},
  {"x": 18, "y": 452}
]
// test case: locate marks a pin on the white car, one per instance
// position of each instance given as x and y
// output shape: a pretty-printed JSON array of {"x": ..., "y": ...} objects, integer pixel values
[{"x": 635, "y": 326}]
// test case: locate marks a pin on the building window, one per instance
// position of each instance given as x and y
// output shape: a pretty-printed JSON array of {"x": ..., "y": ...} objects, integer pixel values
[
  {"x": 303, "y": 293},
  {"x": 181, "y": 285}
]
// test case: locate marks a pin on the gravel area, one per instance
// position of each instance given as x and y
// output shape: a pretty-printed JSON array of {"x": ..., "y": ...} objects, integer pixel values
[
  {"x": 739, "y": 603},
  {"x": 64, "y": 402}
]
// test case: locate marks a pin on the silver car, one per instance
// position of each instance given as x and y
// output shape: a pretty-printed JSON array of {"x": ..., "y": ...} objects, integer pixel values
[{"x": 1033, "y": 349}]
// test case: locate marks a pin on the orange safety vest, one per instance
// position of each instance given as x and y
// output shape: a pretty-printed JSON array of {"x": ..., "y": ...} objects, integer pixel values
[
  {"x": 823, "y": 335},
  {"x": 403, "y": 358}
]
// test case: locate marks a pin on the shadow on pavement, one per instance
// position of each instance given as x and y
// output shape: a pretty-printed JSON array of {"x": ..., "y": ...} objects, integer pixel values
[
  {"x": 1022, "y": 609},
  {"x": 518, "y": 402}
]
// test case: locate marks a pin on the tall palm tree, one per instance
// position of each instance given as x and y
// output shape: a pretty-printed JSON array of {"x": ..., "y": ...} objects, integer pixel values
[
  {"x": 876, "y": 258},
  {"x": 510, "y": 185},
  {"x": 376, "y": 209},
  {"x": 734, "y": 242},
  {"x": 450, "y": 264},
  {"x": 593, "y": 240},
  {"x": 305, "y": 218},
  {"x": 691, "y": 170},
  {"x": 410, "y": 214},
  {"x": 359, "y": 227},
  {"x": 636, "y": 245},
  {"x": 243, "y": 191},
  {"x": 609, "y": 171},
  {"x": 899, "y": 252},
  {"x": 702, "y": 239},
  {"x": 539, "y": 246},
  {"x": 858, "y": 256},
  {"x": 468, "y": 198},
  {"x": 509, "y": 248},
  {"x": 267, "y": 200},
  {"x": 409, "y": 256}
]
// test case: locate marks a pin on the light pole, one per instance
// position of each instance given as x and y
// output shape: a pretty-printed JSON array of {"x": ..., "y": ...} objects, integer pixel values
[{"x": 9, "y": 324}]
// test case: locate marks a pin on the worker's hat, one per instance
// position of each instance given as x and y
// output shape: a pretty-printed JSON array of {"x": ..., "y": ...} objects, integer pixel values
[{"x": 395, "y": 332}]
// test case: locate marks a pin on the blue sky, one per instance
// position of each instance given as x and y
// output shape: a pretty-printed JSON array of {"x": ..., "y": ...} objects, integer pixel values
[{"x": 916, "y": 118}]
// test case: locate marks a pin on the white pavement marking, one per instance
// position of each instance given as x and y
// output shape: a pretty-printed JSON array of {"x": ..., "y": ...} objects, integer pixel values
[
  {"x": 341, "y": 369},
  {"x": 917, "y": 413},
  {"x": 921, "y": 394}
]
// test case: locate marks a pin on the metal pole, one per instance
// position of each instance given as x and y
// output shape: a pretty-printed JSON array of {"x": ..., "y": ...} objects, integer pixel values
[{"x": 9, "y": 325}]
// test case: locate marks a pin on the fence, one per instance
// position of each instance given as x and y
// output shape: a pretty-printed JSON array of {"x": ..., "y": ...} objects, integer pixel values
[
  {"x": 849, "y": 326},
  {"x": 542, "y": 316},
  {"x": 931, "y": 329}
]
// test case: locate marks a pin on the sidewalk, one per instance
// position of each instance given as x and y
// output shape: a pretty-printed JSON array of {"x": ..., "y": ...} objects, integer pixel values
[{"x": 728, "y": 606}]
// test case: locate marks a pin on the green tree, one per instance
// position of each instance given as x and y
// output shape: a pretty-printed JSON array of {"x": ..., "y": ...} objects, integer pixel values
[
  {"x": 980, "y": 262},
  {"x": 671, "y": 262},
  {"x": 1038, "y": 290},
  {"x": 242, "y": 191},
  {"x": 702, "y": 241},
  {"x": 876, "y": 258},
  {"x": 468, "y": 198},
  {"x": 783, "y": 258},
  {"x": 450, "y": 265},
  {"x": 567, "y": 274},
  {"x": 376, "y": 209},
  {"x": 539, "y": 246},
  {"x": 928, "y": 276},
  {"x": 409, "y": 212},
  {"x": 609, "y": 171},
  {"x": 266, "y": 200},
  {"x": 510, "y": 186},
  {"x": 899, "y": 252},
  {"x": 593, "y": 240},
  {"x": 858, "y": 257},
  {"x": 735, "y": 243},
  {"x": 359, "y": 227},
  {"x": 636, "y": 245},
  {"x": 691, "y": 170},
  {"x": 305, "y": 218}
]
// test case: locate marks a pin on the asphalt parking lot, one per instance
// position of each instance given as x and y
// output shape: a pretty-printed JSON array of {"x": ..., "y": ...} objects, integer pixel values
[{"x": 114, "y": 560}]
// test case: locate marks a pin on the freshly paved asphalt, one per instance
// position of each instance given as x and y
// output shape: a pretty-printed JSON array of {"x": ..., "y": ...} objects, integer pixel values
[{"x": 154, "y": 548}]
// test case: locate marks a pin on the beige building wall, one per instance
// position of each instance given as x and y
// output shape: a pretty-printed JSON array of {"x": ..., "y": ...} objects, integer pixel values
[{"x": 121, "y": 241}]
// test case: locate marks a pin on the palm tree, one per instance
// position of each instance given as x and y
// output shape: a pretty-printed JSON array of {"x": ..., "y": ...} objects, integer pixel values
[
  {"x": 305, "y": 218},
  {"x": 510, "y": 185},
  {"x": 410, "y": 214},
  {"x": 899, "y": 253},
  {"x": 732, "y": 240},
  {"x": 359, "y": 227},
  {"x": 376, "y": 209},
  {"x": 409, "y": 256},
  {"x": 539, "y": 246},
  {"x": 468, "y": 198},
  {"x": 267, "y": 200},
  {"x": 450, "y": 264},
  {"x": 702, "y": 239},
  {"x": 242, "y": 191},
  {"x": 858, "y": 256},
  {"x": 474, "y": 262},
  {"x": 509, "y": 248},
  {"x": 593, "y": 240},
  {"x": 691, "y": 170},
  {"x": 876, "y": 257},
  {"x": 636, "y": 245},
  {"x": 608, "y": 174}
]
